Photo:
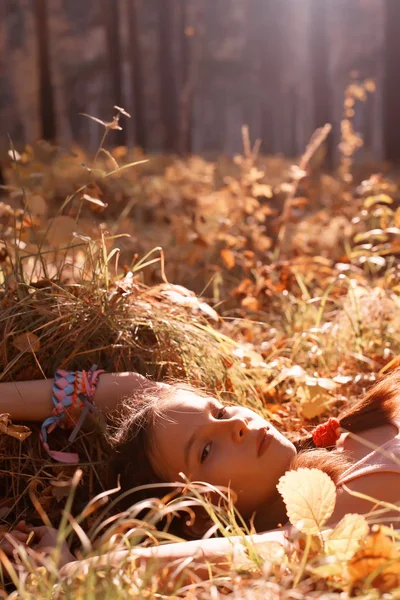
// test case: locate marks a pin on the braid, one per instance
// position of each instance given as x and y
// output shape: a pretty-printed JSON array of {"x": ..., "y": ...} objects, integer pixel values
[{"x": 378, "y": 407}]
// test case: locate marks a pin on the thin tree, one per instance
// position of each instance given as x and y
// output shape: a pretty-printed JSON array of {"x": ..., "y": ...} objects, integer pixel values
[
  {"x": 168, "y": 91},
  {"x": 319, "y": 68},
  {"x": 46, "y": 94},
  {"x": 111, "y": 22},
  {"x": 135, "y": 63}
]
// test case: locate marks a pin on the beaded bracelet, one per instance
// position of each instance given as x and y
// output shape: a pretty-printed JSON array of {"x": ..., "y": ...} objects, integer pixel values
[{"x": 72, "y": 396}]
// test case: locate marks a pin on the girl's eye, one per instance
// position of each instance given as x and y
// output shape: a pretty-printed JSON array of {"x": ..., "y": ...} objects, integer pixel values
[
  {"x": 221, "y": 414},
  {"x": 206, "y": 452}
]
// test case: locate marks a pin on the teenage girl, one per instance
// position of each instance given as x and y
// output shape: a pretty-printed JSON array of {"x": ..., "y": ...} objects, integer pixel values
[{"x": 163, "y": 431}]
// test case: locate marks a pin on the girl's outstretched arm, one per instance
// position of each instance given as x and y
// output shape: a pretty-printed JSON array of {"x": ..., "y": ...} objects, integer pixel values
[
  {"x": 31, "y": 400},
  {"x": 218, "y": 552}
]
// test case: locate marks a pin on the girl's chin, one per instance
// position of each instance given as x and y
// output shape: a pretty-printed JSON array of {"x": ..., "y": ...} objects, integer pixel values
[{"x": 281, "y": 451}]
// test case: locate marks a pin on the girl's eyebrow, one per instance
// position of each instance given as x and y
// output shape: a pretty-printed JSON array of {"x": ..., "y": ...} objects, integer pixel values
[{"x": 189, "y": 444}]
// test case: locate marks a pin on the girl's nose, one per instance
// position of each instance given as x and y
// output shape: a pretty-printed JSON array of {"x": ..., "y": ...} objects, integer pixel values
[{"x": 239, "y": 429}]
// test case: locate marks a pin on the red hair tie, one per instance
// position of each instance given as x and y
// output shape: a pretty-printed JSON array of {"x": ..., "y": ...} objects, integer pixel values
[{"x": 326, "y": 434}]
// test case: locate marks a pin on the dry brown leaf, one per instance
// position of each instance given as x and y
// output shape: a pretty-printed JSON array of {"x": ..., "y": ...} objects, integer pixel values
[
  {"x": 27, "y": 342},
  {"x": 262, "y": 243},
  {"x": 378, "y": 561},
  {"x": 61, "y": 230},
  {"x": 20, "y": 432},
  {"x": 228, "y": 258},
  {"x": 60, "y": 488},
  {"x": 36, "y": 204},
  {"x": 251, "y": 303}
]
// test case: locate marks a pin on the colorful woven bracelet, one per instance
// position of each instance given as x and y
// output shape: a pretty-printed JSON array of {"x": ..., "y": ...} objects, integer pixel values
[{"x": 72, "y": 396}]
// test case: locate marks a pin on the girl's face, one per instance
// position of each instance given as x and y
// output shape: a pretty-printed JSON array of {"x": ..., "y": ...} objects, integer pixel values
[{"x": 229, "y": 446}]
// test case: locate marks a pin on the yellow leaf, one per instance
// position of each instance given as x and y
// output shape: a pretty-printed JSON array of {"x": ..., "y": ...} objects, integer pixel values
[
  {"x": 309, "y": 496},
  {"x": 27, "y": 342},
  {"x": 378, "y": 199},
  {"x": 345, "y": 539},
  {"x": 316, "y": 407},
  {"x": 328, "y": 569},
  {"x": 228, "y": 258},
  {"x": 374, "y": 234},
  {"x": 16, "y": 431}
]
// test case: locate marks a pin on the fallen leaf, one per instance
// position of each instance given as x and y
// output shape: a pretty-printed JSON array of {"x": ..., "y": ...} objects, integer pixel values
[
  {"x": 374, "y": 234},
  {"x": 61, "y": 230},
  {"x": 27, "y": 342},
  {"x": 36, "y": 204},
  {"x": 376, "y": 563},
  {"x": 316, "y": 407},
  {"x": 378, "y": 199},
  {"x": 60, "y": 488},
  {"x": 16, "y": 431},
  {"x": 345, "y": 539},
  {"x": 310, "y": 497},
  {"x": 251, "y": 303},
  {"x": 228, "y": 258}
]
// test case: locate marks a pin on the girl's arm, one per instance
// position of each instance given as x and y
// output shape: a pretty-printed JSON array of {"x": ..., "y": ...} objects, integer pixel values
[
  {"x": 220, "y": 552},
  {"x": 31, "y": 400}
]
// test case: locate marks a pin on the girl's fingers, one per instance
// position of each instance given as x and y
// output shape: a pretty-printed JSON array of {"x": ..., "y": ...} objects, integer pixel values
[
  {"x": 19, "y": 536},
  {"x": 7, "y": 548},
  {"x": 10, "y": 542},
  {"x": 41, "y": 530},
  {"x": 22, "y": 526}
]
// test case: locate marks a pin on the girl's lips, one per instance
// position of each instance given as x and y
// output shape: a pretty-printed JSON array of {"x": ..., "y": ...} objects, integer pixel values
[{"x": 263, "y": 440}]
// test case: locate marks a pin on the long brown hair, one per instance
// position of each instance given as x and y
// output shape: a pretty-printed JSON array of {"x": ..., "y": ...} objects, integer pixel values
[
  {"x": 130, "y": 433},
  {"x": 379, "y": 406}
]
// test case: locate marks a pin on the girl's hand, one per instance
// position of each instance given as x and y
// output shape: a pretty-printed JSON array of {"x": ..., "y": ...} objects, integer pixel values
[
  {"x": 43, "y": 541},
  {"x": 9, "y": 542}
]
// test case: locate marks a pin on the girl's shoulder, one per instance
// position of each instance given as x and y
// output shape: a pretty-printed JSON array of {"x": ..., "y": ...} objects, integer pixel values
[
  {"x": 361, "y": 445},
  {"x": 379, "y": 486},
  {"x": 375, "y": 471}
]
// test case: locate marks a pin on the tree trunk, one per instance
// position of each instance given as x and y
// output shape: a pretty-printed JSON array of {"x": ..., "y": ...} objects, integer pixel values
[
  {"x": 168, "y": 95},
  {"x": 46, "y": 98},
  {"x": 319, "y": 66},
  {"x": 111, "y": 14},
  {"x": 135, "y": 62}
]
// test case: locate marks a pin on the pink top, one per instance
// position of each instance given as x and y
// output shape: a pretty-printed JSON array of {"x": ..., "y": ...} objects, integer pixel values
[{"x": 385, "y": 458}]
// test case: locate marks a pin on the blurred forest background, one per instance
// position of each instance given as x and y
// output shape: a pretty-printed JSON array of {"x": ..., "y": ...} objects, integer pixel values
[{"x": 191, "y": 72}]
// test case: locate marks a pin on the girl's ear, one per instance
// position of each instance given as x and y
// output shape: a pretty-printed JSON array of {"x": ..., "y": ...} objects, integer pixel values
[{"x": 198, "y": 527}]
